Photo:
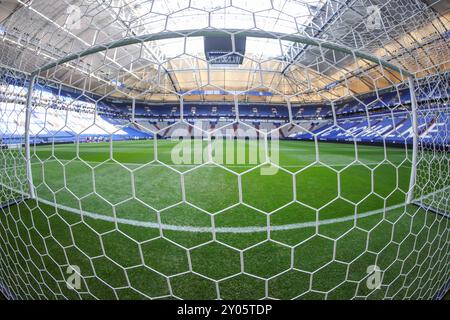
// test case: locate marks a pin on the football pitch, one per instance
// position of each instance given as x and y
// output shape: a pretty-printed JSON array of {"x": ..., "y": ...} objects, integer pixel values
[{"x": 139, "y": 225}]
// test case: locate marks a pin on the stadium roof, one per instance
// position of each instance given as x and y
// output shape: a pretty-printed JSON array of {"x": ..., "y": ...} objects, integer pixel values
[{"x": 411, "y": 35}]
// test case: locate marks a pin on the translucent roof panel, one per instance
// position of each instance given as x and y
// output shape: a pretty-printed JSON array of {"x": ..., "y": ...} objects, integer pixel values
[{"x": 285, "y": 16}]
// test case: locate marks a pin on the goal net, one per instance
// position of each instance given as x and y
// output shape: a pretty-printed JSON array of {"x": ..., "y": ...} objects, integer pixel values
[{"x": 284, "y": 150}]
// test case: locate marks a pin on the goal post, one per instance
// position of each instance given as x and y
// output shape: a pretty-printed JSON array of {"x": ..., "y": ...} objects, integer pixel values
[
  {"x": 28, "y": 111},
  {"x": 415, "y": 137}
]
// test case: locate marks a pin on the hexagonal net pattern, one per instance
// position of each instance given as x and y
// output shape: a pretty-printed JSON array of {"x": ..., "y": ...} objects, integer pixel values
[{"x": 140, "y": 167}]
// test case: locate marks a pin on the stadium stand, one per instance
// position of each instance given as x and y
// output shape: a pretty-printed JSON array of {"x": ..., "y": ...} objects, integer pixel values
[{"x": 369, "y": 118}]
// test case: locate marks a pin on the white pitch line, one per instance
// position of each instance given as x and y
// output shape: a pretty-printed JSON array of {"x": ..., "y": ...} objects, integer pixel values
[
  {"x": 155, "y": 225},
  {"x": 128, "y": 164}
]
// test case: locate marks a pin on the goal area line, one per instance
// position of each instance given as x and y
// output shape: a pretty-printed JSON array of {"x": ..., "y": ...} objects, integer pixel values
[{"x": 238, "y": 230}]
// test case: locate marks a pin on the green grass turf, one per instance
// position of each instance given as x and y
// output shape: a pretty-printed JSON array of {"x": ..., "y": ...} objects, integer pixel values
[
  {"x": 131, "y": 261},
  {"x": 211, "y": 187}
]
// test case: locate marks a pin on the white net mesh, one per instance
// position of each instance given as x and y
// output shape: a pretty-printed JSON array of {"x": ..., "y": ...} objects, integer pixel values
[{"x": 315, "y": 169}]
